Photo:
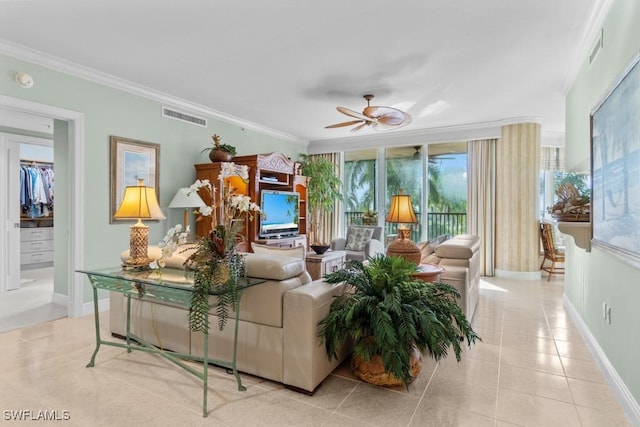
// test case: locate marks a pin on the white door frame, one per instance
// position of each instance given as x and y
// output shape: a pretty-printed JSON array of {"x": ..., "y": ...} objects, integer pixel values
[
  {"x": 75, "y": 223},
  {"x": 10, "y": 156}
]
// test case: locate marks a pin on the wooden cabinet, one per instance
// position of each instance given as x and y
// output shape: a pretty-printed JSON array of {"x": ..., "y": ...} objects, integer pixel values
[{"x": 272, "y": 171}]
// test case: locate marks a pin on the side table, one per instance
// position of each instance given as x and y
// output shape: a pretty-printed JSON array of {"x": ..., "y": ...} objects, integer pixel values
[
  {"x": 319, "y": 266},
  {"x": 428, "y": 272}
]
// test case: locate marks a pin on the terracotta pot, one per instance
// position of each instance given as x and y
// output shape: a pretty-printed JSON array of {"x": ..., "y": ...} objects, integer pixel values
[
  {"x": 220, "y": 156},
  {"x": 373, "y": 371}
]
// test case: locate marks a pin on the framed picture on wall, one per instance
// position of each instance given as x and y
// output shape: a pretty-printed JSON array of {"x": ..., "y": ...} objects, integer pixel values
[
  {"x": 131, "y": 160},
  {"x": 615, "y": 168}
]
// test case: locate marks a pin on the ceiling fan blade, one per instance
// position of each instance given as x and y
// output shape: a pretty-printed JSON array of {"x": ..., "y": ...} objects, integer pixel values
[
  {"x": 352, "y": 113},
  {"x": 391, "y": 120},
  {"x": 339, "y": 125},
  {"x": 357, "y": 128},
  {"x": 377, "y": 111}
]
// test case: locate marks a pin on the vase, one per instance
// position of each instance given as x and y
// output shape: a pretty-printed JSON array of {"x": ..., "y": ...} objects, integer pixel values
[{"x": 219, "y": 155}]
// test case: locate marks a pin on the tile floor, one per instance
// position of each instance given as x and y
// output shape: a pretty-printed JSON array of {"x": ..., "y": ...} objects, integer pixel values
[
  {"x": 31, "y": 303},
  {"x": 532, "y": 369}
]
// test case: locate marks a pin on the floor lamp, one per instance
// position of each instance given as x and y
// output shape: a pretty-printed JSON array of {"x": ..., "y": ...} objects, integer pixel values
[
  {"x": 188, "y": 200},
  {"x": 139, "y": 202},
  {"x": 401, "y": 212}
]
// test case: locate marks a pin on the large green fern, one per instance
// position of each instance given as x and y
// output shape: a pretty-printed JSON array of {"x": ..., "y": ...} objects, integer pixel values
[{"x": 387, "y": 312}]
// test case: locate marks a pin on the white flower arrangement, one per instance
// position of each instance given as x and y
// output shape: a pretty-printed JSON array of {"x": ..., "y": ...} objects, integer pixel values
[
  {"x": 232, "y": 205},
  {"x": 172, "y": 240}
]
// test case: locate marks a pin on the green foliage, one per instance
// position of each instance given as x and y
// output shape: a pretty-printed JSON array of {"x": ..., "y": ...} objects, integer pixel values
[
  {"x": 217, "y": 270},
  {"x": 323, "y": 190},
  {"x": 360, "y": 180},
  {"x": 579, "y": 181},
  {"x": 218, "y": 146},
  {"x": 388, "y": 312}
]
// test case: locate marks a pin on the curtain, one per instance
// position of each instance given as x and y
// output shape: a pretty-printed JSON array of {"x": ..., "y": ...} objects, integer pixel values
[
  {"x": 481, "y": 200},
  {"x": 552, "y": 158},
  {"x": 330, "y": 224}
]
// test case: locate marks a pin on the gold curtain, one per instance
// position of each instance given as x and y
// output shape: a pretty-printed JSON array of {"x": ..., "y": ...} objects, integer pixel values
[
  {"x": 331, "y": 221},
  {"x": 481, "y": 199},
  {"x": 552, "y": 158}
]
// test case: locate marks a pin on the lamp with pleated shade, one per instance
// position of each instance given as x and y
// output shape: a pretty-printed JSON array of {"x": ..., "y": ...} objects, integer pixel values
[
  {"x": 401, "y": 212},
  {"x": 139, "y": 202}
]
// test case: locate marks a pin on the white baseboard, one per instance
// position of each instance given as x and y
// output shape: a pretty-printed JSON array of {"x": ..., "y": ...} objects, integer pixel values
[
  {"x": 518, "y": 275},
  {"x": 629, "y": 404},
  {"x": 60, "y": 299},
  {"x": 103, "y": 305}
]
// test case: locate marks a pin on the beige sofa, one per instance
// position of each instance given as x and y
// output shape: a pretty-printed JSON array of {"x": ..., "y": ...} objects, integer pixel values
[
  {"x": 460, "y": 258},
  {"x": 277, "y": 337}
]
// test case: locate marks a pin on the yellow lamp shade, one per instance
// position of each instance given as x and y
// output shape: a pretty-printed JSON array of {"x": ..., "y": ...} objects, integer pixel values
[{"x": 139, "y": 202}]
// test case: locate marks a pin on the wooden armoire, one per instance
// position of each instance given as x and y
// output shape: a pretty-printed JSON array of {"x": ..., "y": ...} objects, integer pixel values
[{"x": 273, "y": 171}]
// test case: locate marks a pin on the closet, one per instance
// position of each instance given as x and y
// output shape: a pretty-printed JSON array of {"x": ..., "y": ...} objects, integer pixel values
[{"x": 36, "y": 213}]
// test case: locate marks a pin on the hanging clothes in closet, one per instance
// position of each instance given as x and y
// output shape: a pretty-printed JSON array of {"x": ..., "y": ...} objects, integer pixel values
[{"x": 36, "y": 189}]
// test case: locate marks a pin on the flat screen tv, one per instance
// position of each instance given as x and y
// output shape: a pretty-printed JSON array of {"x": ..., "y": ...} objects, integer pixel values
[{"x": 280, "y": 209}]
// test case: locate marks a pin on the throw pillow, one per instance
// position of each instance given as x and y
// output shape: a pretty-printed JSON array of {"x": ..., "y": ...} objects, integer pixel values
[
  {"x": 296, "y": 252},
  {"x": 425, "y": 251},
  {"x": 357, "y": 237}
]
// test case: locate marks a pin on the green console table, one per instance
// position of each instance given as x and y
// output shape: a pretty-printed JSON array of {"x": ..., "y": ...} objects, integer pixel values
[{"x": 169, "y": 285}]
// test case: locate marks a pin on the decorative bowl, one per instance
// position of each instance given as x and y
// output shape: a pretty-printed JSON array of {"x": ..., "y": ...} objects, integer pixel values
[{"x": 320, "y": 249}]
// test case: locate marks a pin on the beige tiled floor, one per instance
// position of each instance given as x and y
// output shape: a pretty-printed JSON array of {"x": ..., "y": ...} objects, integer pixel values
[{"x": 531, "y": 369}]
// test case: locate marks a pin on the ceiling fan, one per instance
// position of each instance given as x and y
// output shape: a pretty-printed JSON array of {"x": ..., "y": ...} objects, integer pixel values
[{"x": 379, "y": 118}]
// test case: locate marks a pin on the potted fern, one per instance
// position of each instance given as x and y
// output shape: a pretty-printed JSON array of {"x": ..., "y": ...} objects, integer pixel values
[{"x": 392, "y": 319}]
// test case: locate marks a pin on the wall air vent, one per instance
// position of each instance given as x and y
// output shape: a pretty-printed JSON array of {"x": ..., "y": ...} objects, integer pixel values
[
  {"x": 179, "y": 115},
  {"x": 597, "y": 47}
]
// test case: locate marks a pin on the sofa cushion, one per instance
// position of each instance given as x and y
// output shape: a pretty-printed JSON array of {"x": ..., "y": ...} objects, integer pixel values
[
  {"x": 273, "y": 267},
  {"x": 460, "y": 247},
  {"x": 295, "y": 252},
  {"x": 357, "y": 237}
]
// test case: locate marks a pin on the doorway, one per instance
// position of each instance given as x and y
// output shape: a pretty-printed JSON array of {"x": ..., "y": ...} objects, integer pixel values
[
  {"x": 69, "y": 235},
  {"x": 27, "y": 291}
]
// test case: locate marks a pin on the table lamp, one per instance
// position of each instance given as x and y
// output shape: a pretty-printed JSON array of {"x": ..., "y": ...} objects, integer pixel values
[
  {"x": 401, "y": 212},
  {"x": 139, "y": 202},
  {"x": 186, "y": 199}
]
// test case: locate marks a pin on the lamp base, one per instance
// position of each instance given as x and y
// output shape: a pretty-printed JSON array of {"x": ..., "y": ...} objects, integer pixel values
[
  {"x": 138, "y": 243},
  {"x": 406, "y": 249}
]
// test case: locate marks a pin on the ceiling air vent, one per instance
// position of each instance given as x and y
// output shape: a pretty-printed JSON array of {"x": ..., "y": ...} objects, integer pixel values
[
  {"x": 179, "y": 115},
  {"x": 597, "y": 47}
]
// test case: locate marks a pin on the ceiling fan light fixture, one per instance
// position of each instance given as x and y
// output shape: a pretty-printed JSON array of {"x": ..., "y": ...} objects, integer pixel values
[{"x": 378, "y": 117}]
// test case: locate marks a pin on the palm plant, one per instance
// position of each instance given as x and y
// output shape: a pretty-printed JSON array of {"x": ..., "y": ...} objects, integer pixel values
[{"x": 390, "y": 313}]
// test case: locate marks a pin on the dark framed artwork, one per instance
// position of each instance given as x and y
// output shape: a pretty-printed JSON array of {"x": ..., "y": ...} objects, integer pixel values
[
  {"x": 130, "y": 160},
  {"x": 615, "y": 168}
]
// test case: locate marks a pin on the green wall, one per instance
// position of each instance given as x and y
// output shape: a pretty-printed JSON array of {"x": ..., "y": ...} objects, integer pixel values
[
  {"x": 605, "y": 278},
  {"x": 108, "y": 111}
]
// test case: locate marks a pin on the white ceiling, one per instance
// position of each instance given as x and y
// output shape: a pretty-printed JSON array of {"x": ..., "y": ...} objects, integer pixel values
[{"x": 285, "y": 65}]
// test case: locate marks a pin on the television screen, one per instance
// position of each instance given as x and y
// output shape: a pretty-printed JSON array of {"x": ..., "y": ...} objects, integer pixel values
[{"x": 280, "y": 213}]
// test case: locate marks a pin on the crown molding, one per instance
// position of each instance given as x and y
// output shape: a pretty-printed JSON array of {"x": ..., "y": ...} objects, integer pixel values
[
  {"x": 463, "y": 132},
  {"x": 52, "y": 62}
]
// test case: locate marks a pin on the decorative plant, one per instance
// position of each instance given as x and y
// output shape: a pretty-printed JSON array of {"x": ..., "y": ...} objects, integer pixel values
[
  {"x": 218, "y": 146},
  {"x": 216, "y": 263},
  {"x": 570, "y": 201},
  {"x": 388, "y": 313},
  {"x": 323, "y": 190}
]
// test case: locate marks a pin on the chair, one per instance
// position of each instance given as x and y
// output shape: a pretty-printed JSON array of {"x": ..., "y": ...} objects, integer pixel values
[
  {"x": 551, "y": 253},
  {"x": 360, "y": 243}
]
